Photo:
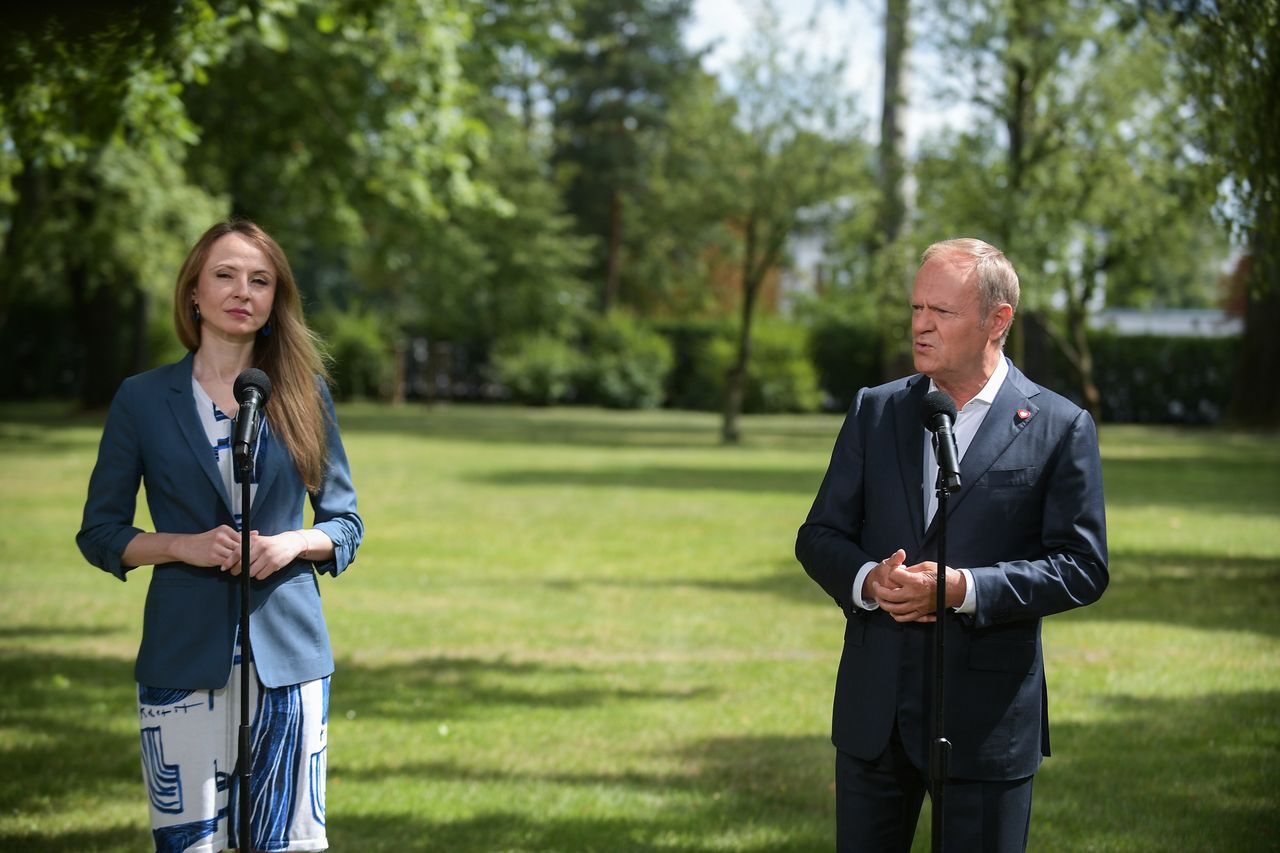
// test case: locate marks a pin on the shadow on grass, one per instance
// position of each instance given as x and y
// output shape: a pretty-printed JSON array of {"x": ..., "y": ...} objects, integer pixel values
[
  {"x": 37, "y": 427},
  {"x": 1197, "y": 773},
  {"x": 1224, "y": 482},
  {"x": 20, "y": 632},
  {"x": 1213, "y": 593},
  {"x": 803, "y": 481},
  {"x": 121, "y": 838},
  {"x": 763, "y": 793},
  {"x": 788, "y": 582},
  {"x": 448, "y": 688},
  {"x": 1160, "y": 774},
  {"x": 585, "y": 427},
  {"x": 66, "y": 723}
]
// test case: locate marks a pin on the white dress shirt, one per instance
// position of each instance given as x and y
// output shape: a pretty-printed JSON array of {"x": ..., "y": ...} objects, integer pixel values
[{"x": 968, "y": 420}]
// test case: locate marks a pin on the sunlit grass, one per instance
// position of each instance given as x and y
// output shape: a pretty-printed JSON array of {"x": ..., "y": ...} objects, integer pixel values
[{"x": 585, "y": 630}]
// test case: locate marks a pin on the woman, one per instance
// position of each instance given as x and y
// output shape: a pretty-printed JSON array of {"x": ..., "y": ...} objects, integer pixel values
[{"x": 236, "y": 306}]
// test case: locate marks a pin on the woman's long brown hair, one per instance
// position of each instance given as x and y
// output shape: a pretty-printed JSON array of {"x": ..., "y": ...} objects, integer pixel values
[{"x": 289, "y": 355}]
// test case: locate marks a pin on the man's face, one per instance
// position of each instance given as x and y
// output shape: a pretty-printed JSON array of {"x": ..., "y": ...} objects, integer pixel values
[{"x": 949, "y": 333}]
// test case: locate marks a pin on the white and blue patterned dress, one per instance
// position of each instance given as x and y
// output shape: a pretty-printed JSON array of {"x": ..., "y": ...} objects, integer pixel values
[{"x": 190, "y": 739}]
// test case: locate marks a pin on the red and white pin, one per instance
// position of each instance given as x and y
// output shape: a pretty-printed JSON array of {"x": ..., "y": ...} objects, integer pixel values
[{"x": 1023, "y": 414}]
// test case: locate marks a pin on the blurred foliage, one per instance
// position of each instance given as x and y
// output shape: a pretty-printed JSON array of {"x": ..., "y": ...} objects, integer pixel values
[
  {"x": 846, "y": 343},
  {"x": 538, "y": 369},
  {"x": 625, "y": 364},
  {"x": 1230, "y": 67},
  {"x": 1161, "y": 380},
  {"x": 614, "y": 76},
  {"x": 480, "y": 178},
  {"x": 357, "y": 343},
  {"x": 781, "y": 377}
]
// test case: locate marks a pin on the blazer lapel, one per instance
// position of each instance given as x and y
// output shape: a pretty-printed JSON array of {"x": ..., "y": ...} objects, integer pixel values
[
  {"x": 1002, "y": 425},
  {"x": 182, "y": 403},
  {"x": 271, "y": 454},
  {"x": 907, "y": 408}
]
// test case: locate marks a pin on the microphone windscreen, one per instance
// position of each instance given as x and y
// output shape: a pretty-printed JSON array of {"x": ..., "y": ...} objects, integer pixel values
[
  {"x": 253, "y": 378},
  {"x": 937, "y": 403}
]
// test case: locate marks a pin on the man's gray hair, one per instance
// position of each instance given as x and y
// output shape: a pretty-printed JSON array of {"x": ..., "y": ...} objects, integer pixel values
[{"x": 997, "y": 280}]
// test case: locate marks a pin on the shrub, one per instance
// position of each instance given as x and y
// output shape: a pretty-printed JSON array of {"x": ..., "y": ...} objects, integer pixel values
[
  {"x": 780, "y": 377},
  {"x": 358, "y": 342},
  {"x": 626, "y": 364},
  {"x": 537, "y": 369},
  {"x": 847, "y": 351},
  {"x": 1151, "y": 379}
]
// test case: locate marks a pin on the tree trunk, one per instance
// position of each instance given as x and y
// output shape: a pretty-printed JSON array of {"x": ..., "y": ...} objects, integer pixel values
[
  {"x": 105, "y": 344},
  {"x": 1077, "y": 322},
  {"x": 613, "y": 267},
  {"x": 1017, "y": 124},
  {"x": 893, "y": 207},
  {"x": 1253, "y": 402},
  {"x": 736, "y": 384}
]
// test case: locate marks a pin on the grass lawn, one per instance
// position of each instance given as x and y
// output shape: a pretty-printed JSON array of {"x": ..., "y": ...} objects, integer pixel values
[{"x": 578, "y": 630}]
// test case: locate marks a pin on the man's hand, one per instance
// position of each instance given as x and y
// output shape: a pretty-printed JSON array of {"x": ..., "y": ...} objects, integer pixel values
[
  {"x": 910, "y": 593},
  {"x": 880, "y": 574}
]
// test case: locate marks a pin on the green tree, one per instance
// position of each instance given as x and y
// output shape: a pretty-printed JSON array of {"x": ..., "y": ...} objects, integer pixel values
[
  {"x": 615, "y": 76},
  {"x": 680, "y": 239},
  {"x": 512, "y": 266},
  {"x": 327, "y": 115},
  {"x": 793, "y": 153},
  {"x": 1230, "y": 65},
  {"x": 1093, "y": 179},
  {"x": 95, "y": 209}
]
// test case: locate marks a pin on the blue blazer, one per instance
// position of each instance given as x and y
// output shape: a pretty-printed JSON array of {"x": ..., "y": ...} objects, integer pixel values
[
  {"x": 154, "y": 435},
  {"x": 1028, "y": 522}
]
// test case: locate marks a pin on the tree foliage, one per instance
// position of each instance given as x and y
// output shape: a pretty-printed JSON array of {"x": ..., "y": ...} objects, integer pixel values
[
  {"x": 616, "y": 75},
  {"x": 1230, "y": 65},
  {"x": 94, "y": 200},
  {"x": 478, "y": 176},
  {"x": 1093, "y": 192}
]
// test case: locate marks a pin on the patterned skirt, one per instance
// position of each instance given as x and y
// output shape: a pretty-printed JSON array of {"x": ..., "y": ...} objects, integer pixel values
[{"x": 190, "y": 741}]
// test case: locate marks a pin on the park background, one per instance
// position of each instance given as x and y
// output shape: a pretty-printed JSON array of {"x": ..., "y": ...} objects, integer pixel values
[{"x": 596, "y": 294}]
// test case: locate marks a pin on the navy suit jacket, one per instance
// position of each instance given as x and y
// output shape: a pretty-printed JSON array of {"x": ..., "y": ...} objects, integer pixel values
[
  {"x": 154, "y": 435},
  {"x": 1028, "y": 522}
]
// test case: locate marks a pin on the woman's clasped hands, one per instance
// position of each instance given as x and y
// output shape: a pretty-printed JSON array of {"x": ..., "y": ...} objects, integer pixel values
[{"x": 221, "y": 547}]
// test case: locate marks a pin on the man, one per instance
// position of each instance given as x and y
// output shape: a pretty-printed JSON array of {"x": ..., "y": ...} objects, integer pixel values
[{"x": 1026, "y": 538}]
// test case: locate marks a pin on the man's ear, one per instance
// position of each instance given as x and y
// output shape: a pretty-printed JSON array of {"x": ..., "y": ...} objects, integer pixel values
[{"x": 1000, "y": 320}]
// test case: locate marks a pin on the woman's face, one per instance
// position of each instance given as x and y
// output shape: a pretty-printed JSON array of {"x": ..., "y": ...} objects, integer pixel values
[{"x": 235, "y": 290}]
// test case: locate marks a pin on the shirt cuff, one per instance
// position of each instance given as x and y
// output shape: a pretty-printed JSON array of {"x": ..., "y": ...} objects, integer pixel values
[
  {"x": 970, "y": 604},
  {"x": 858, "y": 583}
]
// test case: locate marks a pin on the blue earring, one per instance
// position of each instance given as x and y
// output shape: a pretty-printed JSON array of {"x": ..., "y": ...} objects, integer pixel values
[{"x": 265, "y": 331}]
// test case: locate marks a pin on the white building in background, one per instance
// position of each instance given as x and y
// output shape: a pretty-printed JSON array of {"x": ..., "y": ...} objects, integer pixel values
[{"x": 1168, "y": 322}]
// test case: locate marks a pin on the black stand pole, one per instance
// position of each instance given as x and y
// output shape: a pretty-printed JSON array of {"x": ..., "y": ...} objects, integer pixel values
[
  {"x": 245, "y": 759},
  {"x": 940, "y": 750}
]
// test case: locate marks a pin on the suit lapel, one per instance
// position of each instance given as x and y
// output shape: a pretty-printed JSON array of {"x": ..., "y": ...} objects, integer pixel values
[
  {"x": 182, "y": 404},
  {"x": 1000, "y": 428},
  {"x": 907, "y": 408}
]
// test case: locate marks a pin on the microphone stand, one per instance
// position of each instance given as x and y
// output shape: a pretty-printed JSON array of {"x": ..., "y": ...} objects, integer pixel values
[
  {"x": 940, "y": 748},
  {"x": 244, "y": 761}
]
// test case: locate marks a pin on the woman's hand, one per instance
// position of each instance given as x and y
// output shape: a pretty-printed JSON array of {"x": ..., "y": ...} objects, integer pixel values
[
  {"x": 269, "y": 554},
  {"x": 217, "y": 547}
]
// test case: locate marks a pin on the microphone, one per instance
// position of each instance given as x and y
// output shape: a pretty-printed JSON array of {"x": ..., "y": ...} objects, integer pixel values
[
  {"x": 939, "y": 414},
  {"x": 252, "y": 390}
]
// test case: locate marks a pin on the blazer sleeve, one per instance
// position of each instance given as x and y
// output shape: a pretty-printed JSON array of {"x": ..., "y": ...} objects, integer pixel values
[
  {"x": 335, "y": 503},
  {"x": 107, "y": 525},
  {"x": 1073, "y": 538},
  {"x": 827, "y": 544}
]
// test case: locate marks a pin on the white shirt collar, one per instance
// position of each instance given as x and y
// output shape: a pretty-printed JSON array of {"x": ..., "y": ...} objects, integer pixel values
[{"x": 987, "y": 395}]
